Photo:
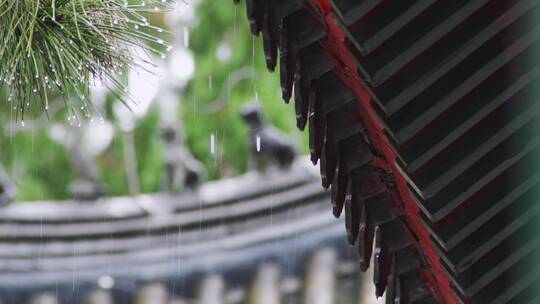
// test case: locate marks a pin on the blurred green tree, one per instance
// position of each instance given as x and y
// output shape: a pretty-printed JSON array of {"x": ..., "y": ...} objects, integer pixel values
[{"x": 223, "y": 48}]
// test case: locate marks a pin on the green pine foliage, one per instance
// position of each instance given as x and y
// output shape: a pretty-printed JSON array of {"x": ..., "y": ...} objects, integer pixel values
[
  {"x": 40, "y": 165},
  {"x": 62, "y": 46}
]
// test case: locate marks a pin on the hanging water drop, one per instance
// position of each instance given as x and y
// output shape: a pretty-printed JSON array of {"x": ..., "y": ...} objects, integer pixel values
[
  {"x": 212, "y": 144},
  {"x": 186, "y": 37}
]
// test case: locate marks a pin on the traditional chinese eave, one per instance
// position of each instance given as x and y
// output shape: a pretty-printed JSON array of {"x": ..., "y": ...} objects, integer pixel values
[{"x": 417, "y": 112}]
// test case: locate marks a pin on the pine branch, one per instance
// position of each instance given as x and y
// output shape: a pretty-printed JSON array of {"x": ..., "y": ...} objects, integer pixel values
[{"x": 62, "y": 46}]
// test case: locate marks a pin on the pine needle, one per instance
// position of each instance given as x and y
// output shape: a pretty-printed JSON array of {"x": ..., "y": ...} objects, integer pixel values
[{"x": 62, "y": 46}]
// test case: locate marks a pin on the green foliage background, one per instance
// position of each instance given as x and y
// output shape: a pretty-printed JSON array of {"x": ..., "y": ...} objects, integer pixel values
[{"x": 40, "y": 166}]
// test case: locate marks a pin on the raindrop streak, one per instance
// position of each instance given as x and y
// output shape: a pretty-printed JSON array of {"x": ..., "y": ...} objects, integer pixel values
[
  {"x": 40, "y": 237},
  {"x": 235, "y": 22},
  {"x": 212, "y": 143},
  {"x": 186, "y": 37},
  {"x": 73, "y": 263},
  {"x": 258, "y": 143},
  {"x": 253, "y": 59}
]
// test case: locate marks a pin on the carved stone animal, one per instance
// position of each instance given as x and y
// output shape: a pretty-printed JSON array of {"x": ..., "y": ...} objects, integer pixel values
[
  {"x": 182, "y": 171},
  {"x": 7, "y": 188},
  {"x": 87, "y": 185},
  {"x": 269, "y": 146}
]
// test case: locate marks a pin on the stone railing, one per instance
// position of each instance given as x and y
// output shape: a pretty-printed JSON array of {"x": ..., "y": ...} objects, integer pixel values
[{"x": 212, "y": 244}]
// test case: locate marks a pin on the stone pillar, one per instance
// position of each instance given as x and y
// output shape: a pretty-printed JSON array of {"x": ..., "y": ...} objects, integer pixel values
[
  {"x": 266, "y": 288},
  {"x": 212, "y": 290},
  {"x": 44, "y": 298},
  {"x": 321, "y": 278},
  {"x": 99, "y": 296},
  {"x": 154, "y": 293}
]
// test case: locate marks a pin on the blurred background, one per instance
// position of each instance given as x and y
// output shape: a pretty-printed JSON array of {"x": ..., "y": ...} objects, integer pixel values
[
  {"x": 189, "y": 197},
  {"x": 214, "y": 68}
]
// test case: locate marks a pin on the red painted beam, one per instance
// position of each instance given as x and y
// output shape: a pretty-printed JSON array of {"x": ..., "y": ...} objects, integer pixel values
[{"x": 346, "y": 66}]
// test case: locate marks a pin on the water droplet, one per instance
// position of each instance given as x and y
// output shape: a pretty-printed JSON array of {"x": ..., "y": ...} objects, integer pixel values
[
  {"x": 186, "y": 37},
  {"x": 212, "y": 143}
]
